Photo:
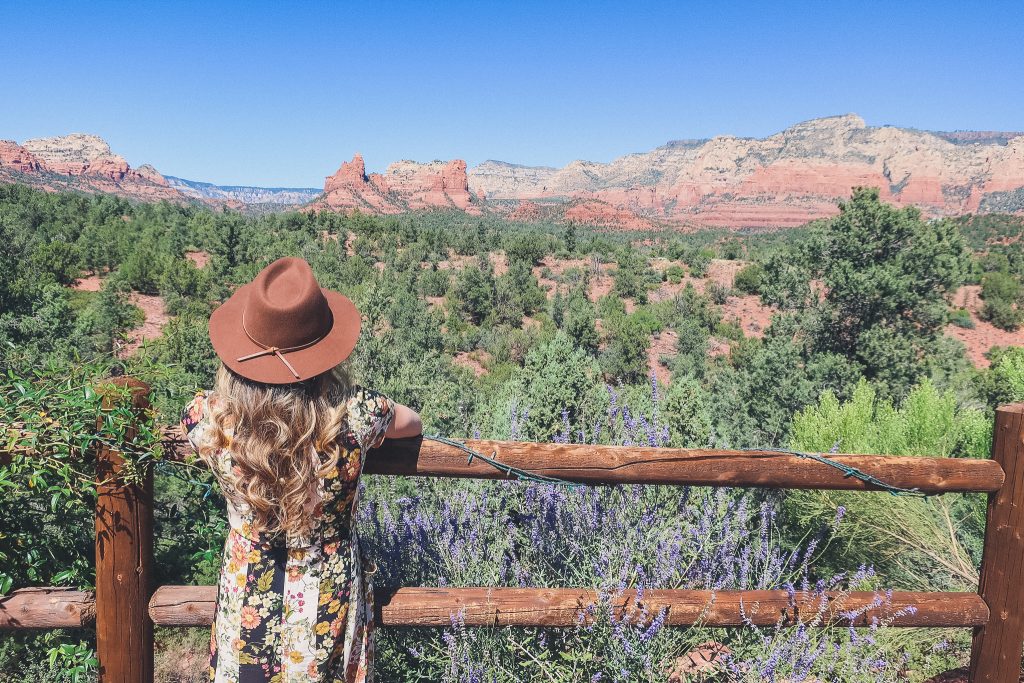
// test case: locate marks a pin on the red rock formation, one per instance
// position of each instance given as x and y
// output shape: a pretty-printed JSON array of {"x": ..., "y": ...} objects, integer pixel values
[
  {"x": 783, "y": 180},
  {"x": 351, "y": 174},
  {"x": 404, "y": 186},
  {"x": 150, "y": 174},
  {"x": 84, "y": 163},
  {"x": 16, "y": 158}
]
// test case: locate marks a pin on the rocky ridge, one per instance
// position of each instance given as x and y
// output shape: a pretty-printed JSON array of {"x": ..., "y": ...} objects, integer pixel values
[
  {"x": 782, "y": 180},
  {"x": 280, "y": 197},
  {"x": 80, "y": 162}
]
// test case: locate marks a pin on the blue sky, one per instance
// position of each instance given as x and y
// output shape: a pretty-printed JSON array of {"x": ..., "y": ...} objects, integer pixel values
[{"x": 281, "y": 93}]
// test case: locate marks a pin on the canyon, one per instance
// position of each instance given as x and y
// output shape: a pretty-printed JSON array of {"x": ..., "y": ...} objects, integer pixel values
[{"x": 782, "y": 180}]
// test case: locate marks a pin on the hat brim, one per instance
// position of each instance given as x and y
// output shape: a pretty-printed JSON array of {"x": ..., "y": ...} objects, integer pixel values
[{"x": 231, "y": 342}]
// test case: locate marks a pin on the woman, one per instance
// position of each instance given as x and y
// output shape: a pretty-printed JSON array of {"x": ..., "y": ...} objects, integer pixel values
[{"x": 286, "y": 435}]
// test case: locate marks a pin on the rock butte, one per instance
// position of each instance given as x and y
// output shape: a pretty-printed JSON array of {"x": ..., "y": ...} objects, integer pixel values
[{"x": 404, "y": 186}]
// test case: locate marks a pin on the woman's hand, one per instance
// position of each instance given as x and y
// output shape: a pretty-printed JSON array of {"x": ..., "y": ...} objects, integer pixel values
[{"x": 406, "y": 423}]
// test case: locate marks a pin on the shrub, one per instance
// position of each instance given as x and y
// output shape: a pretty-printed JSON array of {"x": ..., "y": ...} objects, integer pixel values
[
  {"x": 718, "y": 292},
  {"x": 674, "y": 273},
  {"x": 961, "y": 317},
  {"x": 1002, "y": 313},
  {"x": 749, "y": 279}
]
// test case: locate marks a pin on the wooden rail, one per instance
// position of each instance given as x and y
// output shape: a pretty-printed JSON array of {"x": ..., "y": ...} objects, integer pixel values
[
  {"x": 566, "y": 607},
  {"x": 125, "y": 606},
  {"x": 682, "y": 466}
]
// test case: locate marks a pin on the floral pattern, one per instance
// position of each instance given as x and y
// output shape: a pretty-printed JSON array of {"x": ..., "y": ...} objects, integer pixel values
[{"x": 296, "y": 609}]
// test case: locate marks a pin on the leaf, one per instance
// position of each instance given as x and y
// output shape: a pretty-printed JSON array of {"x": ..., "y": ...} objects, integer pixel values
[{"x": 264, "y": 582}]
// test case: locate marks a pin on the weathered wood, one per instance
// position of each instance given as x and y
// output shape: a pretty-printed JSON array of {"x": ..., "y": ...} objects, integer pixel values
[
  {"x": 47, "y": 607},
  {"x": 183, "y": 605},
  {"x": 124, "y": 561},
  {"x": 641, "y": 465},
  {"x": 996, "y": 650},
  {"x": 563, "y": 607}
]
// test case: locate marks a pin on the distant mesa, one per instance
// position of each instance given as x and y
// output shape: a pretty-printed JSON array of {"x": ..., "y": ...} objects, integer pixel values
[
  {"x": 783, "y": 180},
  {"x": 80, "y": 162},
  {"x": 268, "y": 198},
  {"x": 779, "y": 181}
]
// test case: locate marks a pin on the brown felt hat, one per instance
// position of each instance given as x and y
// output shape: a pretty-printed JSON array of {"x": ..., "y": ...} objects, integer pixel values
[{"x": 283, "y": 327}]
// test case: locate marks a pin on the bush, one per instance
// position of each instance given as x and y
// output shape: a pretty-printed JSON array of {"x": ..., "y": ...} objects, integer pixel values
[
  {"x": 699, "y": 260},
  {"x": 961, "y": 317},
  {"x": 718, "y": 292},
  {"x": 674, "y": 273},
  {"x": 749, "y": 279},
  {"x": 435, "y": 282},
  {"x": 1002, "y": 313}
]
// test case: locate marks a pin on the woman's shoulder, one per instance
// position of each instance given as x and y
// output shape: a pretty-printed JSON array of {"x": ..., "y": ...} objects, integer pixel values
[
  {"x": 369, "y": 414},
  {"x": 196, "y": 414}
]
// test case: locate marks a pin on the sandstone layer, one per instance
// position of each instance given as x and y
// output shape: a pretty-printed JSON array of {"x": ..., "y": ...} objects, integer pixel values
[
  {"x": 780, "y": 181},
  {"x": 80, "y": 162},
  {"x": 404, "y": 186}
]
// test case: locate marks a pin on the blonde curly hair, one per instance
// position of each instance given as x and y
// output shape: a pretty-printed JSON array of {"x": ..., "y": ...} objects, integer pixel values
[{"x": 277, "y": 431}]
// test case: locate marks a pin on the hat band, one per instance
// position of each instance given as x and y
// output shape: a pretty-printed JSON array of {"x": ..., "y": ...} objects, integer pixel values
[{"x": 277, "y": 351}]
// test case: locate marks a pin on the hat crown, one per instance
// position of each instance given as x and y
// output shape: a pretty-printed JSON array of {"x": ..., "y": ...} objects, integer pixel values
[{"x": 285, "y": 307}]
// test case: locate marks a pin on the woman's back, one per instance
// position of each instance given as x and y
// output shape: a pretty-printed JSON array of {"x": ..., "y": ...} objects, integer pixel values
[{"x": 293, "y": 606}]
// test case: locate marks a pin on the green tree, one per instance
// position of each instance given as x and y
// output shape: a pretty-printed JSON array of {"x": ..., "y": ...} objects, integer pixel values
[
  {"x": 579, "y": 322},
  {"x": 685, "y": 411},
  {"x": 886, "y": 274},
  {"x": 557, "y": 377},
  {"x": 474, "y": 293},
  {"x": 626, "y": 356}
]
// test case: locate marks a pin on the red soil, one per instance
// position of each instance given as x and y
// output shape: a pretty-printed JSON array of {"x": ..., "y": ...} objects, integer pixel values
[
  {"x": 155, "y": 318},
  {"x": 200, "y": 258},
  {"x": 474, "y": 360},
  {"x": 90, "y": 283},
  {"x": 984, "y": 335},
  {"x": 662, "y": 344},
  {"x": 748, "y": 311}
]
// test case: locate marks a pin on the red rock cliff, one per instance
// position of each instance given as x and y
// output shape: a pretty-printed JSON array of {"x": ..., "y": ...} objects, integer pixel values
[
  {"x": 404, "y": 186},
  {"x": 80, "y": 162}
]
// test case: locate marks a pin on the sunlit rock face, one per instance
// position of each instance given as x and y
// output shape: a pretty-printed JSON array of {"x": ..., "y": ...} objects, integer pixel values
[{"x": 782, "y": 180}]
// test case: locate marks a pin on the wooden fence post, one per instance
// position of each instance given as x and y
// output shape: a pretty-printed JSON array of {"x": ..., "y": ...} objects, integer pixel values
[
  {"x": 997, "y": 646},
  {"x": 124, "y": 561}
]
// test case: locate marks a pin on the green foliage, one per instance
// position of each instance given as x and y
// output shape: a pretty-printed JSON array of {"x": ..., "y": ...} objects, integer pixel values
[
  {"x": 625, "y": 359},
  {"x": 1004, "y": 381},
  {"x": 685, "y": 410},
  {"x": 556, "y": 377},
  {"x": 750, "y": 279},
  {"x": 718, "y": 292},
  {"x": 1003, "y": 295},
  {"x": 886, "y": 274},
  {"x": 961, "y": 317},
  {"x": 632, "y": 276},
  {"x": 932, "y": 543},
  {"x": 474, "y": 292},
  {"x": 578, "y": 322},
  {"x": 698, "y": 260}
]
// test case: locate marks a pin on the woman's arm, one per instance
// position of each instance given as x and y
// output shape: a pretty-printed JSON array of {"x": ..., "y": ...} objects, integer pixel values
[{"x": 405, "y": 424}]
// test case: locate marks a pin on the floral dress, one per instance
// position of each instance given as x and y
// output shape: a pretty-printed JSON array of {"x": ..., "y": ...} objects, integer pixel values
[{"x": 296, "y": 609}]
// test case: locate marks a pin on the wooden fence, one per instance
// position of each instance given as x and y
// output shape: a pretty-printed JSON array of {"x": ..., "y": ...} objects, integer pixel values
[{"x": 125, "y": 606}]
